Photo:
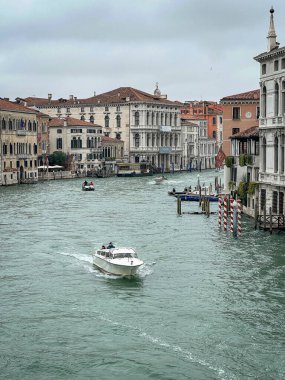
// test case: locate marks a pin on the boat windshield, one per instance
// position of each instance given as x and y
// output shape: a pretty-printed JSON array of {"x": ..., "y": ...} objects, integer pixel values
[{"x": 122, "y": 255}]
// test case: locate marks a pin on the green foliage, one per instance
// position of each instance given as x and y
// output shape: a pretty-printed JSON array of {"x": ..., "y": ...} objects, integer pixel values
[
  {"x": 229, "y": 161},
  {"x": 245, "y": 159},
  {"x": 232, "y": 185},
  {"x": 251, "y": 187},
  {"x": 57, "y": 158}
]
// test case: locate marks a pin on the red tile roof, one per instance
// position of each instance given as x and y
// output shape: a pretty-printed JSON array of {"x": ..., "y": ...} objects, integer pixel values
[
  {"x": 119, "y": 95},
  {"x": 71, "y": 122},
  {"x": 250, "y": 95},
  {"x": 6, "y": 105},
  {"x": 106, "y": 139},
  {"x": 250, "y": 132}
]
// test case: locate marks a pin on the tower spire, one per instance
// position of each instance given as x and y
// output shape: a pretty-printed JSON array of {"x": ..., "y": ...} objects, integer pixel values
[{"x": 272, "y": 44}]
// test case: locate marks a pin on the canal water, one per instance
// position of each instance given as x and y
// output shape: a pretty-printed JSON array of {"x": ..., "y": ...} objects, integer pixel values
[{"x": 204, "y": 305}]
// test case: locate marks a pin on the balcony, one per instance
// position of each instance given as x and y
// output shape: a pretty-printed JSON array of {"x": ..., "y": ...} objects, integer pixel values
[
  {"x": 21, "y": 132},
  {"x": 165, "y": 149}
]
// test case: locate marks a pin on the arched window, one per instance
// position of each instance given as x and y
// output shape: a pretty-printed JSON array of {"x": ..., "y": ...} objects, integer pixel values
[
  {"x": 137, "y": 118},
  {"x": 3, "y": 124},
  {"x": 11, "y": 148},
  {"x": 118, "y": 121},
  {"x": 170, "y": 119},
  {"x": 283, "y": 98},
  {"x": 157, "y": 118},
  {"x": 276, "y": 99},
  {"x": 175, "y": 120},
  {"x": 34, "y": 126},
  {"x": 282, "y": 155},
  {"x": 263, "y": 101},
  {"x": 10, "y": 125},
  {"x": 137, "y": 140},
  {"x": 29, "y": 125},
  {"x": 276, "y": 155},
  {"x": 264, "y": 154},
  {"x": 82, "y": 118},
  {"x": 147, "y": 118},
  {"x": 91, "y": 119},
  {"x": 107, "y": 121}
]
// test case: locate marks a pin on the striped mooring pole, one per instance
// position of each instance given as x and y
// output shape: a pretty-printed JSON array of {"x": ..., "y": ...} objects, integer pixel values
[
  {"x": 220, "y": 212},
  {"x": 225, "y": 214},
  {"x": 232, "y": 214},
  {"x": 239, "y": 217}
]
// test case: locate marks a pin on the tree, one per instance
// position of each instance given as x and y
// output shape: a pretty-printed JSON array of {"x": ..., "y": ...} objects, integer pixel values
[{"x": 57, "y": 158}]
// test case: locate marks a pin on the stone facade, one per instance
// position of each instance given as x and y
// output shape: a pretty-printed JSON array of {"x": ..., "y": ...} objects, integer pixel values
[
  {"x": 272, "y": 125},
  {"x": 77, "y": 139},
  {"x": 18, "y": 144},
  {"x": 148, "y": 124}
]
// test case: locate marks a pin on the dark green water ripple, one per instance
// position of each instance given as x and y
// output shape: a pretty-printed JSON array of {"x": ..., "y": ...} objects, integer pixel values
[{"x": 204, "y": 306}]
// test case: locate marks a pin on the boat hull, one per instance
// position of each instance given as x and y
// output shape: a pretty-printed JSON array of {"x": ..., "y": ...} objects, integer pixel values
[
  {"x": 116, "y": 269},
  {"x": 196, "y": 198},
  {"x": 88, "y": 188}
]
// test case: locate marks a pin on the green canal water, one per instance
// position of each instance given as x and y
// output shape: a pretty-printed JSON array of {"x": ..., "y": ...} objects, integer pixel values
[{"x": 204, "y": 305}]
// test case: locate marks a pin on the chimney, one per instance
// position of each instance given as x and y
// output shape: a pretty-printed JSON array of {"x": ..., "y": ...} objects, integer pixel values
[
  {"x": 49, "y": 97},
  {"x": 75, "y": 99},
  {"x": 70, "y": 97}
]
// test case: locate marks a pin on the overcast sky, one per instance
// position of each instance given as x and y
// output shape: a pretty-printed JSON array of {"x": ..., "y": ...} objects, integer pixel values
[{"x": 194, "y": 49}]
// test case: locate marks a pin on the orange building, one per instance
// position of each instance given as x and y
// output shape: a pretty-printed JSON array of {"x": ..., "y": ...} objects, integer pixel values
[
  {"x": 240, "y": 112},
  {"x": 206, "y": 110}
]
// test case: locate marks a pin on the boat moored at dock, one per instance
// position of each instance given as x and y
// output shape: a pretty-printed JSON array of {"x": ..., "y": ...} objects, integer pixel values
[{"x": 141, "y": 169}]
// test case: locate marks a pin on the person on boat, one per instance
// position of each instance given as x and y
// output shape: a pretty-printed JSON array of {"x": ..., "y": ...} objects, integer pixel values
[
  {"x": 173, "y": 190},
  {"x": 110, "y": 245},
  {"x": 91, "y": 183},
  {"x": 103, "y": 247},
  {"x": 85, "y": 183}
]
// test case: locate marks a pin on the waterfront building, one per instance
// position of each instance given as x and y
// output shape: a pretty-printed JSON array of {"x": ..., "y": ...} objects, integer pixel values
[
  {"x": 207, "y": 110},
  {"x": 79, "y": 139},
  {"x": 43, "y": 137},
  {"x": 240, "y": 112},
  {"x": 241, "y": 170},
  {"x": 198, "y": 149},
  {"x": 18, "y": 143},
  {"x": 272, "y": 124},
  {"x": 149, "y": 124}
]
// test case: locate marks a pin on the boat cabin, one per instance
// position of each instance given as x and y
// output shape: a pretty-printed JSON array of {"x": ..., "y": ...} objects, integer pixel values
[{"x": 117, "y": 253}]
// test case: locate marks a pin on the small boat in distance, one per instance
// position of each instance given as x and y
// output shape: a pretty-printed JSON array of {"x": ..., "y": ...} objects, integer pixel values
[
  {"x": 159, "y": 179},
  {"x": 141, "y": 169},
  {"x": 88, "y": 186},
  {"x": 117, "y": 261}
]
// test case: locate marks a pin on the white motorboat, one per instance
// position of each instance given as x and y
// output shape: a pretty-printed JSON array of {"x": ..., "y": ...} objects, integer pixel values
[
  {"x": 117, "y": 261},
  {"x": 159, "y": 179}
]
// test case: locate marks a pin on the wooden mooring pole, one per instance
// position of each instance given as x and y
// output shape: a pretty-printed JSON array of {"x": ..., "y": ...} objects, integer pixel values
[
  {"x": 270, "y": 220},
  {"x": 178, "y": 206},
  {"x": 255, "y": 216}
]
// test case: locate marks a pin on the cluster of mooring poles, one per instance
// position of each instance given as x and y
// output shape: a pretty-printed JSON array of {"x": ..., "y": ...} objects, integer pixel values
[
  {"x": 204, "y": 203},
  {"x": 230, "y": 206}
]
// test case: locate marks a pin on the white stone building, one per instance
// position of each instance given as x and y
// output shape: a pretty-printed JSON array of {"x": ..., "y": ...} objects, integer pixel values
[
  {"x": 272, "y": 125},
  {"x": 79, "y": 139},
  {"x": 148, "y": 124}
]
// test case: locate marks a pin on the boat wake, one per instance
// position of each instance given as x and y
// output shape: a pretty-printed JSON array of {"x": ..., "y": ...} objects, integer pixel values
[{"x": 183, "y": 353}]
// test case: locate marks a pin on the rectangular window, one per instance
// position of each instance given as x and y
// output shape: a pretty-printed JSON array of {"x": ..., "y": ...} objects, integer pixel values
[
  {"x": 262, "y": 198},
  {"x": 91, "y": 109},
  {"x": 76, "y": 130},
  {"x": 214, "y": 121},
  {"x": 236, "y": 113},
  {"x": 274, "y": 202},
  {"x": 59, "y": 131},
  {"x": 235, "y": 131},
  {"x": 257, "y": 112},
  {"x": 59, "y": 143},
  {"x": 263, "y": 69},
  {"x": 82, "y": 109},
  {"x": 283, "y": 63},
  {"x": 281, "y": 203},
  {"x": 276, "y": 65}
]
